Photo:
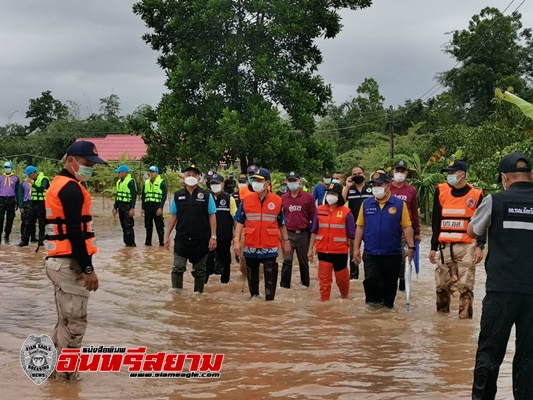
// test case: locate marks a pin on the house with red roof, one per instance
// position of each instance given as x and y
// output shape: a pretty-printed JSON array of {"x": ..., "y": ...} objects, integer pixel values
[{"x": 113, "y": 147}]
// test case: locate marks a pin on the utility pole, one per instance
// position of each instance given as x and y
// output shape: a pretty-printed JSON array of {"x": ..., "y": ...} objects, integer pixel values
[{"x": 391, "y": 133}]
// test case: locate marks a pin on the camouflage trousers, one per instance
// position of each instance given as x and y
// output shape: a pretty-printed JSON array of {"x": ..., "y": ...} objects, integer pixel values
[
  {"x": 71, "y": 304},
  {"x": 456, "y": 271}
]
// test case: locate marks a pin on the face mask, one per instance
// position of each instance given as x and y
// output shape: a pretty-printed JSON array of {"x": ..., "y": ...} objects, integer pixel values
[
  {"x": 283, "y": 188},
  {"x": 250, "y": 180},
  {"x": 327, "y": 181},
  {"x": 452, "y": 179},
  {"x": 399, "y": 176},
  {"x": 293, "y": 185},
  {"x": 84, "y": 173},
  {"x": 358, "y": 179},
  {"x": 332, "y": 199},
  {"x": 8, "y": 170},
  {"x": 378, "y": 192},
  {"x": 258, "y": 186},
  {"x": 191, "y": 181},
  {"x": 240, "y": 185},
  {"x": 215, "y": 188},
  {"x": 335, "y": 181}
]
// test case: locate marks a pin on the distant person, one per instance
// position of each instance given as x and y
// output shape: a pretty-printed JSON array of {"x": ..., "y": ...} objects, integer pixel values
[
  {"x": 125, "y": 204},
  {"x": 9, "y": 188},
  {"x": 230, "y": 184},
  {"x": 338, "y": 177},
  {"x": 24, "y": 202},
  {"x": 154, "y": 196},
  {"x": 320, "y": 190},
  {"x": 37, "y": 211},
  {"x": 282, "y": 189}
]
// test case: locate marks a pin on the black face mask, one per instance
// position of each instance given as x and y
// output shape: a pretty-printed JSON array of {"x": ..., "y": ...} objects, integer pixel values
[{"x": 358, "y": 179}]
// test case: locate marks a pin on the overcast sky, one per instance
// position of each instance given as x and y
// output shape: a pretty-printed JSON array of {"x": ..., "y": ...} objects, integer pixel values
[{"x": 86, "y": 50}]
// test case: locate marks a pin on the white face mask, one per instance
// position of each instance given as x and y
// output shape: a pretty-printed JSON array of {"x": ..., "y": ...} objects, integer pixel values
[
  {"x": 399, "y": 177},
  {"x": 84, "y": 173},
  {"x": 332, "y": 199},
  {"x": 378, "y": 192},
  {"x": 293, "y": 185},
  {"x": 240, "y": 185},
  {"x": 8, "y": 170},
  {"x": 191, "y": 181},
  {"x": 216, "y": 188},
  {"x": 258, "y": 186},
  {"x": 335, "y": 181},
  {"x": 327, "y": 181},
  {"x": 452, "y": 179}
]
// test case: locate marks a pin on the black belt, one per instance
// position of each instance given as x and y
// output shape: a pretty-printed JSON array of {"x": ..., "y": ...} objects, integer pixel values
[{"x": 299, "y": 231}]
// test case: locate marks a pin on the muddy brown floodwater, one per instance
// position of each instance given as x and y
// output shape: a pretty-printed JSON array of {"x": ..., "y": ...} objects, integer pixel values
[{"x": 292, "y": 348}]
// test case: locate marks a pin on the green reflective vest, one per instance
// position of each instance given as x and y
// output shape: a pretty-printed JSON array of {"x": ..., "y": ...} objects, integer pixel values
[
  {"x": 152, "y": 191},
  {"x": 123, "y": 191},
  {"x": 38, "y": 195}
]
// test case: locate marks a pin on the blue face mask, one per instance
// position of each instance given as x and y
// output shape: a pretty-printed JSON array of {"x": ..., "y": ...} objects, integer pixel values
[
  {"x": 283, "y": 188},
  {"x": 293, "y": 185}
]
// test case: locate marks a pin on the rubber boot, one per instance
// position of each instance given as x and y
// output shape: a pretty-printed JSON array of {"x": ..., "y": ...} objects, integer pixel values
[
  {"x": 443, "y": 300},
  {"x": 325, "y": 279},
  {"x": 354, "y": 270},
  {"x": 199, "y": 283},
  {"x": 271, "y": 280},
  {"x": 177, "y": 281},
  {"x": 401, "y": 285},
  {"x": 466, "y": 300},
  {"x": 252, "y": 276},
  {"x": 342, "y": 278}
]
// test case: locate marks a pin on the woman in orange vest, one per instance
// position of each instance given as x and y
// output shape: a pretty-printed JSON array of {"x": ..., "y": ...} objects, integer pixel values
[{"x": 333, "y": 227}]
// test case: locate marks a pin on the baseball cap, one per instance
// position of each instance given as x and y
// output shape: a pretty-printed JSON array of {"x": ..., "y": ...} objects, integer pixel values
[
  {"x": 292, "y": 175},
  {"x": 400, "y": 164},
  {"x": 243, "y": 178},
  {"x": 153, "y": 168},
  {"x": 85, "y": 149},
  {"x": 8, "y": 164},
  {"x": 30, "y": 169},
  {"x": 194, "y": 168},
  {"x": 262, "y": 173},
  {"x": 379, "y": 177},
  {"x": 252, "y": 168},
  {"x": 508, "y": 164},
  {"x": 326, "y": 174},
  {"x": 123, "y": 168},
  {"x": 457, "y": 165},
  {"x": 335, "y": 187},
  {"x": 215, "y": 178}
]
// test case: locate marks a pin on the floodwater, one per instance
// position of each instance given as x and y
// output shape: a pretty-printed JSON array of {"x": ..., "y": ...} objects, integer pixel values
[{"x": 292, "y": 348}]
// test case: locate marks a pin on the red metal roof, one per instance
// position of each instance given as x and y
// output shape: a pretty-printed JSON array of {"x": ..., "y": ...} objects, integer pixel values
[{"x": 113, "y": 147}]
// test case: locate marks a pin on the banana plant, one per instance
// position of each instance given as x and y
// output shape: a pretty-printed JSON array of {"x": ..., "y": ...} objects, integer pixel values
[{"x": 508, "y": 96}]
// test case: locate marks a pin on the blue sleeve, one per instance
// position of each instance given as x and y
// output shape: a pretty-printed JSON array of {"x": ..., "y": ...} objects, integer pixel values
[
  {"x": 315, "y": 193},
  {"x": 240, "y": 217},
  {"x": 281, "y": 219},
  {"x": 173, "y": 207},
  {"x": 211, "y": 206}
]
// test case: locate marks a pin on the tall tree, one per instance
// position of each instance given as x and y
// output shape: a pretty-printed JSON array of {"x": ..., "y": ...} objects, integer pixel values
[
  {"x": 45, "y": 110},
  {"x": 493, "y": 52},
  {"x": 236, "y": 63}
]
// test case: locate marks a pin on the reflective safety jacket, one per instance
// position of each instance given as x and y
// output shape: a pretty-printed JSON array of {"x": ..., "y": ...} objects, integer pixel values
[
  {"x": 261, "y": 229},
  {"x": 456, "y": 214},
  {"x": 56, "y": 229},
  {"x": 332, "y": 236},
  {"x": 123, "y": 191},
  {"x": 36, "y": 195},
  {"x": 152, "y": 191}
]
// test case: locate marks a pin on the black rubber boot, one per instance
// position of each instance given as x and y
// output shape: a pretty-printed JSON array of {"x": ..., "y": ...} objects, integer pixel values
[
  {"x": 199, "y": 283},
  {"x": 177, "y": 281},
  {"x": 354, "y": 270},
  {"x": 401, "y": 285},
  {"x": 271, "y": 280}
]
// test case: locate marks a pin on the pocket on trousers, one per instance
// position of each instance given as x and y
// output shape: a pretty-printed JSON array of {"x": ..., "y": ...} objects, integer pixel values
[{"x": 55, "y": 265}]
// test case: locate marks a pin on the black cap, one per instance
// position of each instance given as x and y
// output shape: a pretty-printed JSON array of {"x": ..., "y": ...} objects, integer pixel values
[
  {"x": 327, "y": 174},
  {"x": 292, "y": 175},
  {"x": 214, "y": 178},
  {"x": 194, "y": 168},
  {"x": 85, "y": 149},
  {"x": 335, "y": 187},
  {"x": 379, "y": 177},
  {"x": 457, "y": 165},
  {"x": 243, "y": 178},
  {"x": 508, "y": 164},
  {"x": 400, "y": 164}
]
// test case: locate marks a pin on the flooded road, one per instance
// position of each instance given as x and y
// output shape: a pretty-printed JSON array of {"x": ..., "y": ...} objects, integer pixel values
[{"x": 292, "y": 348}]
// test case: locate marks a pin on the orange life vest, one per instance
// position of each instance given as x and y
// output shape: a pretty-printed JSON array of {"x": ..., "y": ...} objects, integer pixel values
[
  {"x": 332, "y": 236},
  {"x": 244, "y": 192},
  {"x": 58, "y": 243},
  {"x": 261, "y": 229},
  {"x": 456, "y": 214}
]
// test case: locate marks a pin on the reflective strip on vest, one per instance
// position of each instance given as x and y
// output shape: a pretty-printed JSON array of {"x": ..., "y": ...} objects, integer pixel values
[
  {"x": 222, "y": 209},
  {"x": 340, "y": 239},
  {"x": 451, "y": 235},
  {"x": 453, "y": 211},
  {"x": 35, "y": 195},
  {"x": 152, "y": 191},
  {"x": 338, "y": 226},
  {"x": 123, "y": 191},
  {"x": 528, "y": 226},
  {"x": 269, "y": 217}
]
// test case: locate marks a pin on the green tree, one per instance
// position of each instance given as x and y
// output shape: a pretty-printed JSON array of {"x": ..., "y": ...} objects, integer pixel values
[
  {"x": 45, "y": 110},
  {"x": 233, "y": 65},
  {"x": 493, "y": 52}
]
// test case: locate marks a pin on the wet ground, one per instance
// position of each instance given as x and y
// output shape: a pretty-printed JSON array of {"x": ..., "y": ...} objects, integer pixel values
[{"x": 292, "y": 348}]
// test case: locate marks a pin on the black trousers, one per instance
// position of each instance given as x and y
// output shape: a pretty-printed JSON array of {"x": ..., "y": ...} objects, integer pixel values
[
  {"x": 127, "y": 223},
  {"x": 270, "y": 272},
  {"x": 381, "y": 278},
  {"x": 24, "y": 218},
  {"x": 7, "y": 212},
  {"x": 151, "y": 218},
  {"x": 36, "y": 213},
  {"x": 500, "y": 312},
  {"x": 219, "y": 261}
]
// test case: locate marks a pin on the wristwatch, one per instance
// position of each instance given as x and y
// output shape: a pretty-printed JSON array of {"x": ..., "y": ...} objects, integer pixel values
[
  {"x": 88, "y": 269},
  {"x": 214, "y": 237},
  {"x": 412, "y": 248}
]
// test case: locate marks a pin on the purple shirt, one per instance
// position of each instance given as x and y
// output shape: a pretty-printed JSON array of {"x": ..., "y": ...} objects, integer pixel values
[
  {"x": 26, "y": 191},
  {"x": 350, "y": 224},
  {"x": 8, "y": 185},
  {"x": 299, "y": 210}
]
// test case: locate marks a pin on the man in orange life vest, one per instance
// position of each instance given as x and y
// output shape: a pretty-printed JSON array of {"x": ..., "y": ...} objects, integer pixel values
[
  {"x": 261, "y": 218},
  {"x": 70, "y": 246},
  {"x": 454, "y": 204}
]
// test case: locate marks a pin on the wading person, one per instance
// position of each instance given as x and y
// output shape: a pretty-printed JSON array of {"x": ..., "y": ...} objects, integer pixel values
[
  {"x": 508, "y": 218},
  {"x": 36, "y": 212},
  {"x": 125, "y": 204},
  {"x": 299, "y": 209},
  {"x": 24, "y": 202},
  {"x": 454, "y": 204},
  {"x": 192, "y": 213},
  {"x": 153, "y": 200},
  {"x": 71, "y": 245},
  {"x": 355, "y": 192},
  {"x": 381, "y": 222},
  {"x": 261, "y": 218},
  {"x": 333, "y": 228},
  {"x": 9, "y": 188}
]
